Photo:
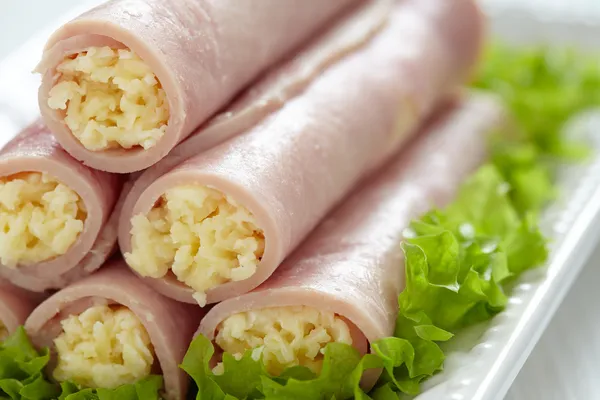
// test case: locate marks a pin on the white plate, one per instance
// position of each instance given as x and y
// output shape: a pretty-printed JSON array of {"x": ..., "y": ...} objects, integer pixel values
[
  {"x": 484, "y": 361},
  {"x": 565, "y": 363}
]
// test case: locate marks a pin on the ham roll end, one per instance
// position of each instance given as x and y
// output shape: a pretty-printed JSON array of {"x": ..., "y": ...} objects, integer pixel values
[
  {"x": 109, "y": 98},
  {"x": 219, "y": 223},
  {"x": 199, "y": 236},
  {"x": 58, "y": 217},
  {"x": 108, "y": 330},
  {"x": 125, "y": 82},
  {"x": 342, "y": 284},
  {"x": 287, "y": 336},
  {"x": 15, "y": 306}
]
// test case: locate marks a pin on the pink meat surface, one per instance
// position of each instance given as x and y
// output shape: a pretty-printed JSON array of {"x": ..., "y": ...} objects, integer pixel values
[
  {"x": 15, "y": 305},
  {"x": 170, "y": 325},
  {"x": 352, "y": 264},
  {"x": 268, "y": 95},
  {"x": 203, "y": 52},
  {"x": 299, "y": 161},
  {"x": 36, "y": 150},
  {"x": 265, "y": 97}
]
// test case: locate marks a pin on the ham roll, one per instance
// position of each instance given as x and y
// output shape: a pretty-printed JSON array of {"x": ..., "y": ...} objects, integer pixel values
[
  {"x": 15, "y": 306},
  {"x": 342, "y": 284},
  {"x": 59, "y": 218},
  {"x": 125, "y": 82},
  {"x": 218, "y": 224},
  {"x": 107, "y": 330}
]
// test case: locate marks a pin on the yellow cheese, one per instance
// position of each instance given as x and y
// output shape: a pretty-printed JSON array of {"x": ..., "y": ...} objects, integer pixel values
[
  {"x": 112, "y": 99},
  {"x": 202, "y": 236},
  {"x": 40, "y": 218},
  {"x": 103, "y": 347},
  {"x": 286, "y": 336}
]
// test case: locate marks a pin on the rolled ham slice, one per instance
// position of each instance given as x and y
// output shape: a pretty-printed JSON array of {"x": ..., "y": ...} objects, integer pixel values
[
  {"x": 169, "y": 325},
  {"x": 283, "y": 174},
  {"x": 352, "y": 264},
  {"x": 185, "y": 59},
  {"x": 50, "y": 237},
  {"x": 269, "y": 94},
  {"x": 15, "y": 306}
]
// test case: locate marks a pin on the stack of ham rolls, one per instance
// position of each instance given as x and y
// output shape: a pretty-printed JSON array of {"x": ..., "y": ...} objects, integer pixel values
[{"x": 239, "y": 170}]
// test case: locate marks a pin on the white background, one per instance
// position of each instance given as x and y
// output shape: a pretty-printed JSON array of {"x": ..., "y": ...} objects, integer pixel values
[{"x": 566, "y": 362}]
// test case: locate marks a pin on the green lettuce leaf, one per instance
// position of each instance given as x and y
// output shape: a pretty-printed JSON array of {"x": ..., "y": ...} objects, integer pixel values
[
  {"x": 543, "y": 87},
  {"x": 457, "y": 261},
  {"x": 146, "y": 389},
  {"x": 247, "y": 378},
  {"x": 22, "y": 377},
  {"x": 21, "y": 370}
]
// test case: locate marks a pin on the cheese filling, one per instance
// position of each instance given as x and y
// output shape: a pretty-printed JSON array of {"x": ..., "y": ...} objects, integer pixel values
[
  {"x": 286, "y": 336},
  {"x": 112, "y": 99},
  {"x": 40, "y": 218},
  {"x": 199, "y": 234},
  {"x": 103, "y": 347}
]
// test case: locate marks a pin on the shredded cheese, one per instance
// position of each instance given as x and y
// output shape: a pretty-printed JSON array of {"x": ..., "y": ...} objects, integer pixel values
[
  {"x": 40, "y": 218},
  {"x": 202, "y": 236},
  {"x": 112, "y": 99},
  {"x": 103, "y": 347},
  {"x": 286, "y": 336}
]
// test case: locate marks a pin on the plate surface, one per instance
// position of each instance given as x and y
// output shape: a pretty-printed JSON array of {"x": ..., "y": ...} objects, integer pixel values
[{"x": 483, "y": 361}]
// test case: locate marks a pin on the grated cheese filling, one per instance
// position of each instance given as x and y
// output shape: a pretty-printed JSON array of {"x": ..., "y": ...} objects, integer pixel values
[
  {"x": 111, "y": 99},
  {"x": 286, "y": 336},
  {"x": 200, "y": 235},
  {"x": 40, "y": 218},
  {"x": 103, "y": 347}
]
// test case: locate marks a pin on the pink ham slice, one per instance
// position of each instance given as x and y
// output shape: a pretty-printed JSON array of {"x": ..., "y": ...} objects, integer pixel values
[
  {"x": 269, "y": 94},
  {"x": 299, "y": 161},
  {"x": 15, "y": 305},
  {"x": 169, "y": 324},
  {"x": 36, "y": 150},
  {"x": 265, "y": 97},
  {"x": 202, "y": 51},
  {"x": 352, "y": 263}
]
